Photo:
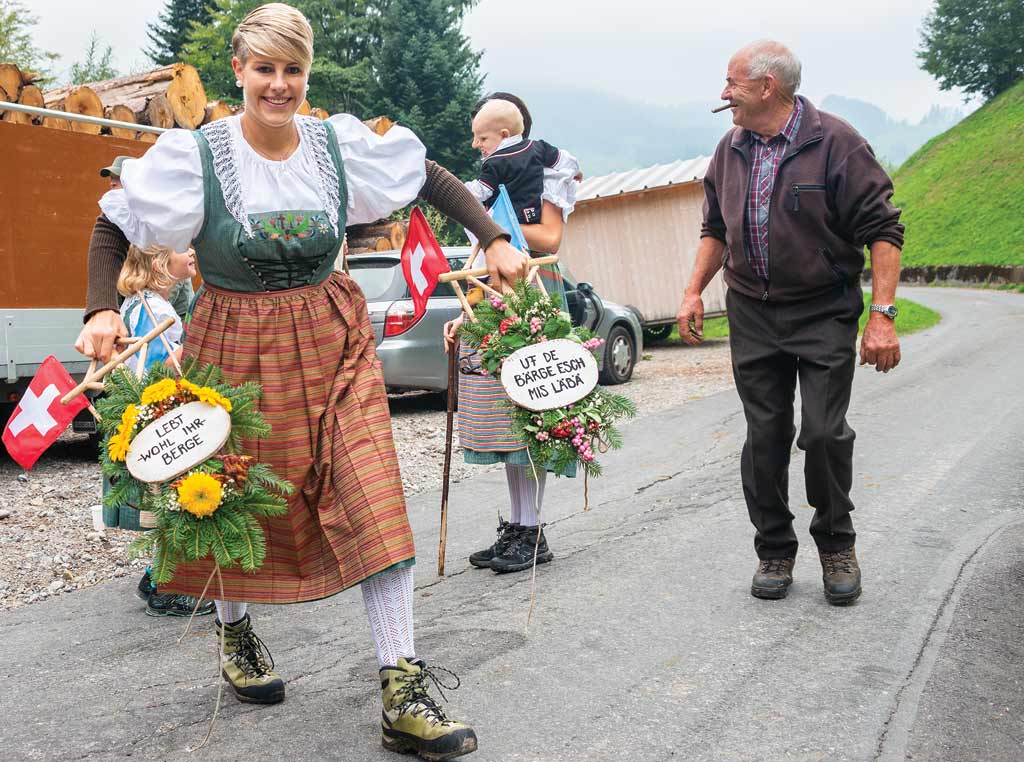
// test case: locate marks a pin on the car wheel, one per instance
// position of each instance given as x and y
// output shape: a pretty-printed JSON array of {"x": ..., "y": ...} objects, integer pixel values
[
  {"x": 658, "y": 332},
  {"x": 619, "y": 356}
]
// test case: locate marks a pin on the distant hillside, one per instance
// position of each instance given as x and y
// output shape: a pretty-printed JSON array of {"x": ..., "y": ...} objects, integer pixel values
[
  {"x": 962, "y": 194},
  {"x": 611, "y": 133},
  {"x": 893, "y": 141}
]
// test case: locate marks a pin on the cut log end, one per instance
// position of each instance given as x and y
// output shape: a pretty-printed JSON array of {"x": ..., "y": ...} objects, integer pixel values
[
  {"x": 379, "y": 124},
  {"x": 319, "y": 113},
  {"x": 147, "y": 137},
  {"x": 305, "y": 108},
  {"x": 11, "y": 81},
  {"x": 157, "y": 113},
  {"x": 16, "y": 117},
  {"x": 31, "y": 96},
  {"x": 216, "y": 110},
  {"x": 120, "y": 113},
  {"x": 82, "y": 100},
  {"x": 187, "y": 97}
]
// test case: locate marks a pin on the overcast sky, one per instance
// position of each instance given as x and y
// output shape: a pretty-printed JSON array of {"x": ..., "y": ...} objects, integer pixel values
[{"x": 663, "y": 51}]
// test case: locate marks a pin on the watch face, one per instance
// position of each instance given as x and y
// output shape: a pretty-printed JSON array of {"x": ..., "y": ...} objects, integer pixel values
[{"x": 891, "y": 311}]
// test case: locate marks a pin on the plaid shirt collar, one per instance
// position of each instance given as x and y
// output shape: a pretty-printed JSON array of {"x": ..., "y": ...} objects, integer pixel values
[{"x": 791, "y": 126}]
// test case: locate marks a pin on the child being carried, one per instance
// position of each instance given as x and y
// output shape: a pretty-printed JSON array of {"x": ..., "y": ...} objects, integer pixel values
[{"x": 532, "y": 171}]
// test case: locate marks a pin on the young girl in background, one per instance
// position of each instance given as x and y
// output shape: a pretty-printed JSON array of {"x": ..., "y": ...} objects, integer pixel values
[{"x": 147, "y": 278}]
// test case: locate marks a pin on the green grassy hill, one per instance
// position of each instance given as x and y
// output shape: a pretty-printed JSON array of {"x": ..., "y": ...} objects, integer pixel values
[{"x": 962, "y": 193}]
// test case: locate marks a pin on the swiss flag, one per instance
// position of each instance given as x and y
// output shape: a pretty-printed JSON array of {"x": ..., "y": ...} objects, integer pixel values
[
  {"x": 422, "y": 261},
  {"x": 40, "y": 417}
]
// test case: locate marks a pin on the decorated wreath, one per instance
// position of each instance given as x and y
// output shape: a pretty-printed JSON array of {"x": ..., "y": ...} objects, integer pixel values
[
  {"x": 557, "y": 437},
  {"x": 172, "y": 446}
]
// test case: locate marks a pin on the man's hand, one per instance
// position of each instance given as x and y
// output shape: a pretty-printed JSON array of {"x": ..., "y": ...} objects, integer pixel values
[
  {"x": 505, "y": 264},
  {"x": 99, "y": 334},
  {"x": 879, "y": 345},
  {"x": 451, "y": 332},
  {"x": 691, "y": 319}
]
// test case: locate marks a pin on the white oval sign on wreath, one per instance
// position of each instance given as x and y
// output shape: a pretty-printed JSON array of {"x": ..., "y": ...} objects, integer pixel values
[
  {"x": 549, "y": 375},
  {"x": 178, "y": 441}
]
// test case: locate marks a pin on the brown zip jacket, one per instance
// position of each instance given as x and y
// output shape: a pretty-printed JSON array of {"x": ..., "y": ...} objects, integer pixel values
[{"x": 830, "y": 200}]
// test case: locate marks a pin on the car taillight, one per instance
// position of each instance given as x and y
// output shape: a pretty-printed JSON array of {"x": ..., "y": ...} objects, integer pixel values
[{"x": 398, "y": 319}]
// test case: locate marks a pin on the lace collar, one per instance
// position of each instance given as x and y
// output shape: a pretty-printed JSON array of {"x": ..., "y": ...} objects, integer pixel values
[{"x": 224, "y": 135}]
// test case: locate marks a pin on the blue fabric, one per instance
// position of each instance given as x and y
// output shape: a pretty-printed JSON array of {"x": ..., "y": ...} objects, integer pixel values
[
  {"x": 157, "y": 352},
  {"x": 505, "y": 215}
]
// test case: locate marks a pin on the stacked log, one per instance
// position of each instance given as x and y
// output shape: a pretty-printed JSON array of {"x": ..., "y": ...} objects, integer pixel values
[
  {"x": 177, "y": 88},
  {"x": 383, "y": 235},
  {"x": 168, "y": 96}
]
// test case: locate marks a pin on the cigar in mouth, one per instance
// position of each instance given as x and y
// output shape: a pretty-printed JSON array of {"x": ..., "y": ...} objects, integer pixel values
[{"x": 723, "y": 107}]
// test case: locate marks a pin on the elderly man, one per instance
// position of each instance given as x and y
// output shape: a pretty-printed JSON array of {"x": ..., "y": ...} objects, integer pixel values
[{"x": 793, "y": 195}]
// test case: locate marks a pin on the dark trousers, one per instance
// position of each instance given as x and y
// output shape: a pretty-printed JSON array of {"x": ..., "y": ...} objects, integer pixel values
[{"x": 774, "y": 345}]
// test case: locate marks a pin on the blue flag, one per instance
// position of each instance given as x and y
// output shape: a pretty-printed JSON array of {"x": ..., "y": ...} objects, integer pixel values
[{"x": 505, "y": 215}]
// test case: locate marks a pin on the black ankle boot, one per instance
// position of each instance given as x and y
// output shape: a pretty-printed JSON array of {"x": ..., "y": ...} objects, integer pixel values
[
  {"x": 506, "y": 534},
  {"x": 519, "y": 554}
]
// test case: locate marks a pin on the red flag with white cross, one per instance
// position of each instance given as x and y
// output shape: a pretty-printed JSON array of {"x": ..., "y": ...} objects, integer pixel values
[
  {"x": 40, "y": 417},
  {"x": 422, "y": 262}
]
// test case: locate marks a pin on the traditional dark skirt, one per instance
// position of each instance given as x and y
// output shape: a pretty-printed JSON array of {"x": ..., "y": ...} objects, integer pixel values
[{"x": 312, "y": 350}]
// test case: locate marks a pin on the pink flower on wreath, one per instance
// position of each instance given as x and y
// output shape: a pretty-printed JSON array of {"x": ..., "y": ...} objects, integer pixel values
[
  {"x": 503, "y": 328},
  {"x": 543, "y": 436},
  {"x": 536, "y": 324},
  {"x": 497, "y": 303},
  {"x": 485, "y": 341}
]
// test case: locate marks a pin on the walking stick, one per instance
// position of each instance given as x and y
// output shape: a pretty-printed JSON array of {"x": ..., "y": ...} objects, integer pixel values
[{"x": 453, "y": 352}]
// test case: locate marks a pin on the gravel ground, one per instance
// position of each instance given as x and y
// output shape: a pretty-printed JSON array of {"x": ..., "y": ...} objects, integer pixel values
[{"x": 48, "y": 546}]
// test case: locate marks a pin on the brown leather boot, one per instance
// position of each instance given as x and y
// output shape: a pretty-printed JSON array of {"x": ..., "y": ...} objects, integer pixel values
[
  {"x": 772, "y": 578},
  {"x": 841, "y": 574}
]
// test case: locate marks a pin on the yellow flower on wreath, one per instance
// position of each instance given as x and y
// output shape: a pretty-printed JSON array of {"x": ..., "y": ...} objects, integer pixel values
[
  {"x": 159, "y": 391},
  {"x": 188, "y": 386},
  {"x": 117, "y": 447},
  {"x": 200, "y": 494},
  {"x": 213, "y": 397}
]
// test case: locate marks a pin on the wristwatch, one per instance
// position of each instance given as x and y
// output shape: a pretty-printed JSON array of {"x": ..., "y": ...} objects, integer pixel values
[{"x": 889, "y": 310}]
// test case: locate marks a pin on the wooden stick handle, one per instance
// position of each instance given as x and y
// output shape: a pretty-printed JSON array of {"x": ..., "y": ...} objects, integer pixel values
[
  {"x": 453, "y": 356},
  {"x": 476, "y": 272},
  {"x": 118, "y": 359}
]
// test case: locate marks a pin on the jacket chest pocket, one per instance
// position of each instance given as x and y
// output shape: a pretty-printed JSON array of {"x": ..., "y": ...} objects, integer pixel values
[{"x": 797, "y": 190}]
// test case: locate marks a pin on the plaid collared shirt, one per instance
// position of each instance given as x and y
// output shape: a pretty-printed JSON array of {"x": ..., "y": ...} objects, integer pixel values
[{"x": 766, "y": 156}]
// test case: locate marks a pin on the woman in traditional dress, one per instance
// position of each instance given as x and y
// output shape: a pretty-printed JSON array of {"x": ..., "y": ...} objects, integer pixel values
[
  {"x": 264, "y": 199},
  {"x": 485, "y": 424}
]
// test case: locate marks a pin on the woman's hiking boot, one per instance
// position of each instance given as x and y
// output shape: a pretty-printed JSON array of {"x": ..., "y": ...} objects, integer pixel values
[
  {"x": 247, "y": 664},
  {"x": 412, "y": 721},
  {"x": 506, "y": 534},
  {"x": 518, "y": 556}
]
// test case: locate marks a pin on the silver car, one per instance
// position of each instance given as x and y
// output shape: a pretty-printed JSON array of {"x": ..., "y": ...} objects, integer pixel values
[{"x": 412, "y": 351}]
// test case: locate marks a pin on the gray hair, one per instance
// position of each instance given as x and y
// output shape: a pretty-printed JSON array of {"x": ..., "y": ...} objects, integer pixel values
[{"x": 770, "y": 57}]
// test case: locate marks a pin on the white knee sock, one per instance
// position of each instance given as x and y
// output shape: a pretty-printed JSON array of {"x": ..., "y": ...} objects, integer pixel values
[
  {"x": 527, "y": 495},
  {"x": 388, "y": 599},
  {"x": 229, "y": 612}
]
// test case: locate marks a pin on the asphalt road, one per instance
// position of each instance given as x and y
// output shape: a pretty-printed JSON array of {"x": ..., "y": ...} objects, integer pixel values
[{"x": 645, "y": 643}]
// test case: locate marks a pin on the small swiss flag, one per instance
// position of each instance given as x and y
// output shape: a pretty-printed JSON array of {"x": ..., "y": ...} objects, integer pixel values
[
  {"x": 40, "y": 417},
  {"x": 422, "y": 261}
]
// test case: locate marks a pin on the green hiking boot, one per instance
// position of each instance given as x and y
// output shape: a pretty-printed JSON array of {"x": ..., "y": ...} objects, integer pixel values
[
  {"x": 413, "y": 722},
  {"x": 244, "y": 666}
]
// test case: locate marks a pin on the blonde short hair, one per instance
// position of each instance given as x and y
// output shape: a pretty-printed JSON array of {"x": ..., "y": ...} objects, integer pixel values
[
  {"x": 146, "y": 268},
  {"x": 277, "y": 31},
  {"x": 501, "y": 115}
]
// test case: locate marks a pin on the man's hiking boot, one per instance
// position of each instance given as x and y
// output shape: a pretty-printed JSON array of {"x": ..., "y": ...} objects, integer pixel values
[
  {"x": 841, "y": 574},
  {"x": 413, "y": 722},
  {"x": 172, "y": 604},
  {"x": 519, "y": 553},
  {"x": 506, "y": 534},
  {"x": 247, "y": 664},
  {"x": 772, "y": 578}
]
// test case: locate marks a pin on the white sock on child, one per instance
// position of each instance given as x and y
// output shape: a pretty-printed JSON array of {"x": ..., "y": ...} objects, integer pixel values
[
  {"x": 526, "y": 494},
  {"x": 229, "y": 612}
]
